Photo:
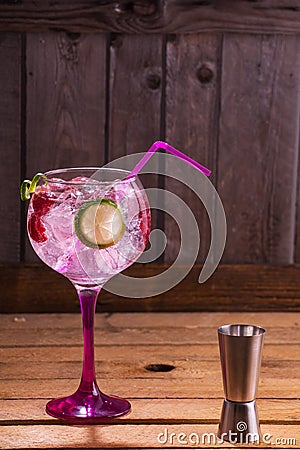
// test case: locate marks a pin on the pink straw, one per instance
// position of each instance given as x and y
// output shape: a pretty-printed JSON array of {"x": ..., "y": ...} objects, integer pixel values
[{"x": 160, "y": 144}]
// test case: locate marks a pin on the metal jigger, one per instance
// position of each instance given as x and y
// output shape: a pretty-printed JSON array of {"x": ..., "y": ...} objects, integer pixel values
[{"x": 240, "y": 353}]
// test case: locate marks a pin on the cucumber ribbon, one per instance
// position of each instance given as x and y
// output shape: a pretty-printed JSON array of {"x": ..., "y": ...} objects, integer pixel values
[{"x": 29, "y": 186}]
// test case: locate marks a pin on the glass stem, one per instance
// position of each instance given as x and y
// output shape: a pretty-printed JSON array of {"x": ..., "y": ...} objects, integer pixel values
[{"x": 88, "y": 300}]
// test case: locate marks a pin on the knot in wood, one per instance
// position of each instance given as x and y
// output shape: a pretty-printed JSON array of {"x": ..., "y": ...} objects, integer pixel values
[
  {"x": 153, "y": 81},
  {"x": 144, "y": 7},
  {"x": 68, "y": 49},
  {"x": 160, "y": 367},
  {"x": 138, "y": 7},
  {"x": 121, "y": 7},
  {"x": 204, "y": 74},
  {"x": 73, "y": 36}
]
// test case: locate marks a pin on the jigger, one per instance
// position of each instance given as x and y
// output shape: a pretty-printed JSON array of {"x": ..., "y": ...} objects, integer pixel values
[{"x": 240, "y": 354}]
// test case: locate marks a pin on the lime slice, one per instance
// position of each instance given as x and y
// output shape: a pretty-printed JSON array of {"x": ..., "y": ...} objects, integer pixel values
[{"x": 99, "y": 223}]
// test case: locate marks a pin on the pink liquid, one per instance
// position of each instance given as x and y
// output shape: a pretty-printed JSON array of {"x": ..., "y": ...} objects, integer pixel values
[{"x": 51, "y": 215}]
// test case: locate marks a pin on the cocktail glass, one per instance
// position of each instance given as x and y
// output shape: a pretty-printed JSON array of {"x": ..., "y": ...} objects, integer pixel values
[{"x": 88, "y": 224}]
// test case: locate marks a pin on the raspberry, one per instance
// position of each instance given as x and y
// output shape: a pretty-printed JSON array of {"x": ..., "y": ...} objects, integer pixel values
[
  {"x": 145, "y": 222},
  {"x": 36, "y": 229},
  {"x": 42, "y": 202}
]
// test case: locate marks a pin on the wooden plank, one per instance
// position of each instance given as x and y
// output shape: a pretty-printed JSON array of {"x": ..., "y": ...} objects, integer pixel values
[
  {"x": 160, "y": 354},
  {"x": 258, "y": 157},
  {"x": 267, "y": 16},
  {"x": 231, "y": 288},
  {"x": 131, "y": 336},
  {"x": 151, "y": 387},
  {"x": 10, "y": 145},
  {"x": 59, "y": 368},
  {"x": 133, "y": 368},
  {"x": 65, "y": 72},
  {"x": 192, "y": 109},
  {"x": 243, "y": 16},
  {"x": 156, "y": 410},
  {"x": 130, "y": 436},
  {"x": 82, "y": 16},
  {"x": 135, "y": 93},
  {"x": 192, "y": 320},
  {"x": 297, "y": 227},
  {"x": 174, "y": 320},
  {"x": 135, "y": 99}
]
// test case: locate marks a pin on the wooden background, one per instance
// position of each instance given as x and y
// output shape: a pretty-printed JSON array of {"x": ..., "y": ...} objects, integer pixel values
[{"x": 82, "y": 83}]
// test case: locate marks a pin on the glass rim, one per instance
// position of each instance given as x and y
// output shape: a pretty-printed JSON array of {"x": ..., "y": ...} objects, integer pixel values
[{"x": 93, "y": 181}]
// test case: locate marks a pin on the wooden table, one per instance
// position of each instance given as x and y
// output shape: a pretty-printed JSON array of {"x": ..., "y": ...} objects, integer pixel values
[{"x": 41, "y": 358}]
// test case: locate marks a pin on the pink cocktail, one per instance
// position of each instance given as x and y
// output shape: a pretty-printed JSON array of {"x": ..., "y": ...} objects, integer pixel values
[{"x": 88, "y": 224}]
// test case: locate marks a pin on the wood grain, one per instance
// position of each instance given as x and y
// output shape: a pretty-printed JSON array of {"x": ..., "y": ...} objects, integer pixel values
[
  {"x": 83, "y": 16},
  {"x": 150, "y": 16},
  {"x": 125, "y": 436},
  {"x": 136, "y": 86},
  {"x": 203, "y": 352},
  {"x": 144, "y": 411},
  {"x": 150, "y": 388},
  {"x": 36, "y": 288},
  {"x": 258, "y": 146},
  {"x": 186, "y": 400},
  {"x": 41, "y": 337},
  {"x": 190, "y": 320},
  {"x": 244, "y": 16},
  {"x": 65, "y": 102},
  {"x": 297, "y": 219},
  {"x": 135, "y": 93},
  {"x": 132, "y": 369},
  {"x": 121, "y": 320},
  {"x": 192, "y": 98},
  {"x": 10, "y": 146}
]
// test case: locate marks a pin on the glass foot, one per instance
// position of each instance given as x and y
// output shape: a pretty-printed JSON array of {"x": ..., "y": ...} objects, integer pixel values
[{"x": 84, "y": 407}]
